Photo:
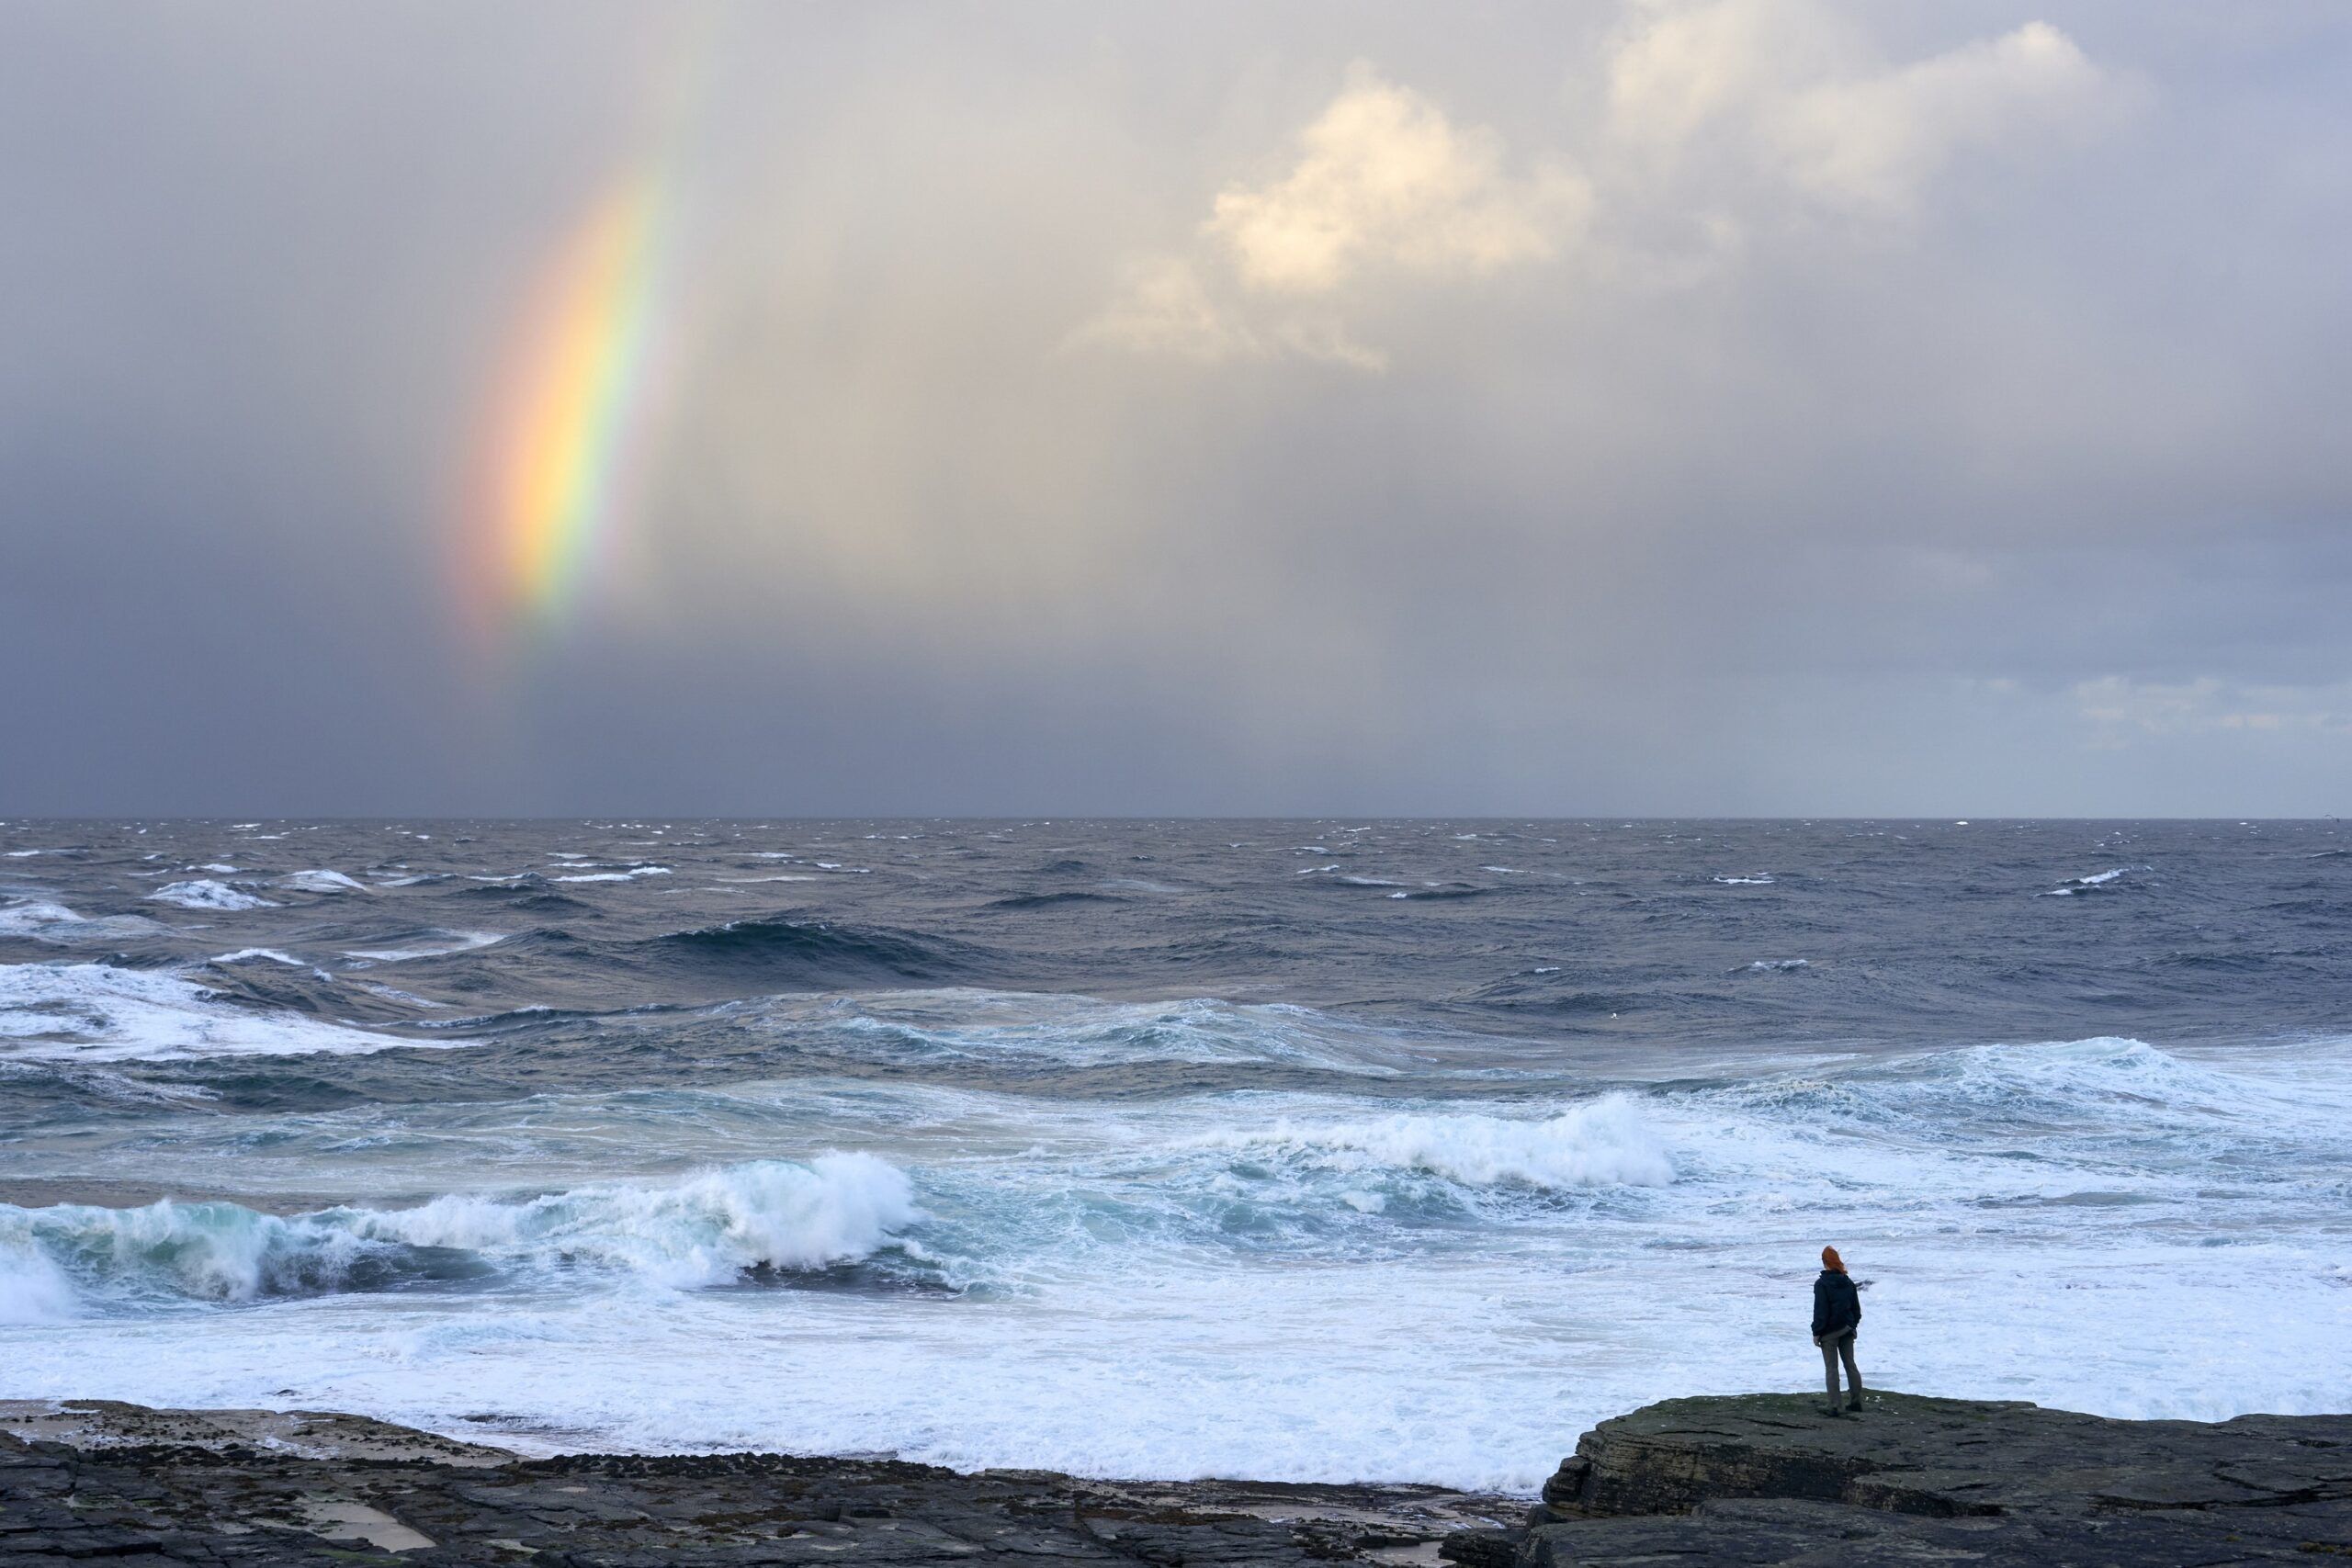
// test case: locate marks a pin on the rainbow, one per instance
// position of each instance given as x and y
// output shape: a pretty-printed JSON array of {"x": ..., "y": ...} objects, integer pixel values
[{"x": 566, "y": 438}]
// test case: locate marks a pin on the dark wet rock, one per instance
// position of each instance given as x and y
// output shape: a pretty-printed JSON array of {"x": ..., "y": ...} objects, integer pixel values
[
  {"x": 1757, "y": 1481},
  {"x": 1767, "y": 1479},
  {"x": 138, "y": 1488}
]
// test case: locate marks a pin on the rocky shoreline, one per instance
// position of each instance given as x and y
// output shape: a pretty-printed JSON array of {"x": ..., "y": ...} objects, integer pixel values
[{"x": 1752, "y": 1480}]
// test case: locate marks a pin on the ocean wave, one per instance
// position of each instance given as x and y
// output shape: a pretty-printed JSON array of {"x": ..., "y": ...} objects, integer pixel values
[
  {"x": 1067, "y": 899},
  {"x": 435, "y": 942},
  {"x": 317, "y": 880},
  {"x": 711, "y": 1228},
  {"x": 2096, "y": 1100},
  {"x": 1605, "y": 1143},
  {"x": 40, "y": 921},
  {"x": 1015, "y": 1030},
  {"x": 2127, "y": 1084},
  {"x": 97, "y": 1013},
  {"x": 2097, "y": 882},
  {"x": 629, "y": 875},
  {"x": 205, "y": 894},
  {"x": 791, "y": 951},
  {"x": 264, "y": 955}
]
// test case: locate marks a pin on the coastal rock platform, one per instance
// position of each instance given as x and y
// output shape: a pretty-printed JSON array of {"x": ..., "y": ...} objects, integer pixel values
[
  {"x": 1768, "y": 1479},
  {"x": 1753, "y": 1480},
  {"x": 90, "y": 1479}
]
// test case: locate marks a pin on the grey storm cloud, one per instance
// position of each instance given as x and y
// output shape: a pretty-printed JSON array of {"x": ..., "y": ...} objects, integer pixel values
[{"x": 1673, "y": 406}]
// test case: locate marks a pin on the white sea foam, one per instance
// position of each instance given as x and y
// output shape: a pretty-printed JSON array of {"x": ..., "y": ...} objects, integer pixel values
[
  {"x": 617, "y": 875},
  {"x": 96, "y": 1012},
  {"x": 205, "y": 894},
  {"x": 1287, "y": 1285}
]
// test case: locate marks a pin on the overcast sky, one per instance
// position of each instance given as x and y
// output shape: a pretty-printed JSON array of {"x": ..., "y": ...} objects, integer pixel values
[{"x": 1752, "y": 407}]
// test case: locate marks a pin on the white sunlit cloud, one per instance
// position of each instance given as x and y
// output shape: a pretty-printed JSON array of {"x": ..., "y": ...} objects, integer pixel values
[
  {"x": 1716, "y": 113},
  {"x": 1385, "y": 187},
  {"x": 1791, "y": 96}
]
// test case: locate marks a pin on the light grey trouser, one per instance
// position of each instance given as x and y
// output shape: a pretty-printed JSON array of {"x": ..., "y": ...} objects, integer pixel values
[{"x": 1831, "y": 1349}]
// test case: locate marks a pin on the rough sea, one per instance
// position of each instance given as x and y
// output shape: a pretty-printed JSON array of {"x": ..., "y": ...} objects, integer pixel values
[{"x": 1312, "y": 1150}]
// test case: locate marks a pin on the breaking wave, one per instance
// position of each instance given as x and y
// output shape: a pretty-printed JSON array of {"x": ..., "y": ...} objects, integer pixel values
[
  {"x": 321, "y": 881},
  {"x": 205, "y": 894},
  {"x": 40, "y": 921},
  {"x": 1605, "y": 1143},
  {"x": 708, "y": 1229},
  {"x": 97, "y": 1013}
]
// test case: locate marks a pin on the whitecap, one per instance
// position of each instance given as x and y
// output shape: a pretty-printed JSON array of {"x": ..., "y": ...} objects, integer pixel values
[
  {"x": 1602, "y": 1143},
  {"x": 436, "y": 945},
  {"x": 205, "y": 894},
  {"x": 96, "y": 1012},
  {"x": 321, "y": 881}
]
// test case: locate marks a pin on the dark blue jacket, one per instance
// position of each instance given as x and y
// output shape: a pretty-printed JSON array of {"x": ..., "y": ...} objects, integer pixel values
[{"x": 1836, "y": 1305}]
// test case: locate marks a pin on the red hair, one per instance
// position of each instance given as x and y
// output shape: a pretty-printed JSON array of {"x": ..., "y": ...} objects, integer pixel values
[{"x": 1829, "y": 1259}]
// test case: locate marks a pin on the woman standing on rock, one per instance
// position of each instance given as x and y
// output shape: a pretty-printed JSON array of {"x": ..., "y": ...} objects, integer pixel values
[{"x": 1836, "y": 1314}]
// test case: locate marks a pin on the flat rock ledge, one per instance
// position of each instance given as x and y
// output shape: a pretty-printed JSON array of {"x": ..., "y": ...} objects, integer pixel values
[
  {"x": 92, "y": 1481},
  {"x": 1768, "y": 1479},
  {"x": 1755, "y": 1480}
]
